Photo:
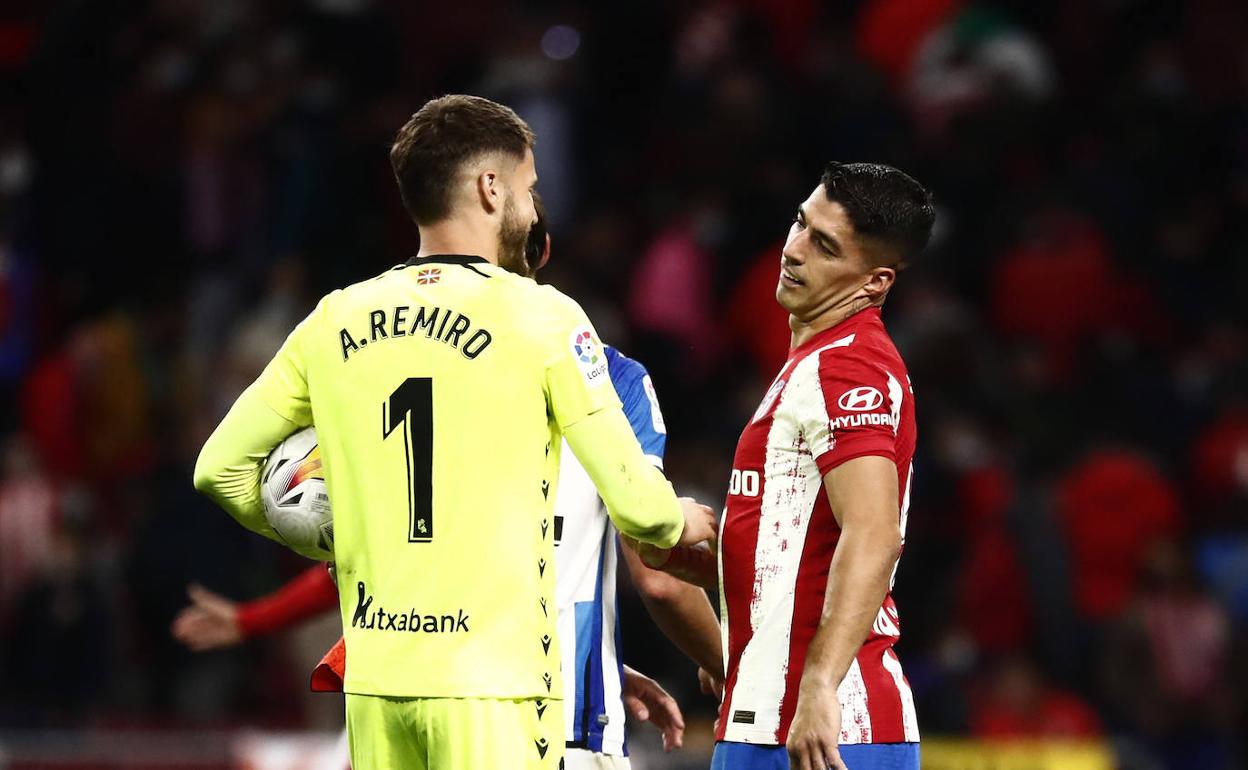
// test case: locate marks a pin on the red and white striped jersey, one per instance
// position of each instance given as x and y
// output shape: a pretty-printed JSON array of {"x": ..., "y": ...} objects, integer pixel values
[{"x": 843, "y": 394}]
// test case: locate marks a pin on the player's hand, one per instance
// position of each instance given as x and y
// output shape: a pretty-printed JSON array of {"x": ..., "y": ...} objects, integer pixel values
[
  {"x": 700, "y": 523},
  {"x": 210, "y": 622},
  {"x": 815, "y": 734},
  {"x": 711, "y": 684},
  {"x": 693, "y": 564},
  {"x": 647, "y": 701}
]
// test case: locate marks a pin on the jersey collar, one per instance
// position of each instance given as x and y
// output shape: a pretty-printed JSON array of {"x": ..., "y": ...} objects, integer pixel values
[
  {"x": 844, "y": 328},
  {"x": 447, "y": 259}
]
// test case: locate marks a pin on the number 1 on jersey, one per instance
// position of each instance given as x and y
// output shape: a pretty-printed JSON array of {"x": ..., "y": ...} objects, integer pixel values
[{"x": 411, "y": 405}]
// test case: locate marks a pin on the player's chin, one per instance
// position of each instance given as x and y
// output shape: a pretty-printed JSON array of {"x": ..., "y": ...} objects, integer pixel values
[{"x": 789, "y": 297}]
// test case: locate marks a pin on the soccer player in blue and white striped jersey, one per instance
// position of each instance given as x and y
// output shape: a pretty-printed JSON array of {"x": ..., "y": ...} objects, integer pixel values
[{"x": 596, "y": 683}]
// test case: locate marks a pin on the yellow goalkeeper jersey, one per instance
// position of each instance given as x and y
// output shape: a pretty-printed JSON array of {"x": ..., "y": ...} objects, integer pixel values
[{"x": 439, "y": 390}]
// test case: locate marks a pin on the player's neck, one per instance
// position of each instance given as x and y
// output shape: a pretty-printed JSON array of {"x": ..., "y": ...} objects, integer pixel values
[
  {"x": 804, "y": 330},
  {"x": 455, "y": 236}
]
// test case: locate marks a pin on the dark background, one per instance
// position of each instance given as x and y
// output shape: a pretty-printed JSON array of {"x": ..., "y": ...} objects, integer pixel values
[{"x": 181, "y": 180}]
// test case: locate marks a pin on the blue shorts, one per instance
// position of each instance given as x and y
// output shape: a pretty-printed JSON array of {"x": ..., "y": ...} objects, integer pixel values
[{"x": 867, "y": 756}]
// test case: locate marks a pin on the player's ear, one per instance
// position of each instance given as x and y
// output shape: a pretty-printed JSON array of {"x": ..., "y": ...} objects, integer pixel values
[
  {"x": 545, "y": 255},
  {"x": 879, "y": 281},
  {"x": 489, "y": 188}
]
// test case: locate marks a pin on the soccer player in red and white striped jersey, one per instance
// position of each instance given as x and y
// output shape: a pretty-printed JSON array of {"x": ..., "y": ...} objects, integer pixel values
[{"x": 816, "y": 511}]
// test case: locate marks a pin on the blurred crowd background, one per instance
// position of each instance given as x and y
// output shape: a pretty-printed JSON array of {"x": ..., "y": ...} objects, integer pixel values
[{"x": 180, "y": 180}]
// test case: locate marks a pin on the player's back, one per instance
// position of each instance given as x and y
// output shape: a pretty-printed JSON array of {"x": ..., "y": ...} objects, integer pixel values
[{"x": 428, "y": 390}]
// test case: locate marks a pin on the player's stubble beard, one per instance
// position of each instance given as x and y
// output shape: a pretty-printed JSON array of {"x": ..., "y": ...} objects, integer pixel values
[{"x": 513, "y": 234}]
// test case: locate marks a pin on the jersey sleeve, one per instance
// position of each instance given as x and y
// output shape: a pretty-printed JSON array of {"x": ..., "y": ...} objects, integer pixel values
[
  {"x": 639, "y": 499},
  {"x": 577, "y": 379},
  {"x": 641, "y": 406},
  {"x": 270, "y": 409},
  {"x": 860, "y": 411},
  {"x": 230, "y": 463},
  {"x": 283, "y": 385},
  {"x": 307, "y": 595}
]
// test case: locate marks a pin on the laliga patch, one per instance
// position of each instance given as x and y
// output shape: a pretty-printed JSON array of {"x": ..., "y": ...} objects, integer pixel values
[{"x": 590, "y": 355}]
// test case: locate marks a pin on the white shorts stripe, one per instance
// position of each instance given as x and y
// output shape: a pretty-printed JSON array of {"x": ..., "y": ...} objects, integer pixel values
[{"x": 581, "y": 759}]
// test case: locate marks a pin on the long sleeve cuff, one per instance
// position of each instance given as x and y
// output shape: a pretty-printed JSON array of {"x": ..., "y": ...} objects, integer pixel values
[{"x": 639, "y": 498}]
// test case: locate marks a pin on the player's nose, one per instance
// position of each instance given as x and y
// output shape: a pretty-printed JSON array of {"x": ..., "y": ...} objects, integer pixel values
[{"x": 791, "y": 252}]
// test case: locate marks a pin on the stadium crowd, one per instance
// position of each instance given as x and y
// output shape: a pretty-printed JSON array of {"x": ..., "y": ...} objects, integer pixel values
[{"x": 179, "y": 182}]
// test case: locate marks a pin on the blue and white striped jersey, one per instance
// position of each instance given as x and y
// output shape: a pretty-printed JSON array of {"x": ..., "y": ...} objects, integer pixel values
[{"x": 586, "y": 557}]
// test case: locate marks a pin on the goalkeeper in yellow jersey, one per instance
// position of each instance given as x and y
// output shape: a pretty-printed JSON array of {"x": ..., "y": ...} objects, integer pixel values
[{"x": 440, "y": 391}]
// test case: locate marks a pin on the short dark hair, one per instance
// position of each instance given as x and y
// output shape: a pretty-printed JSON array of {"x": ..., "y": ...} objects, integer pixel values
[
  {"x": 535, "y": 246},
  {"x": 444, "y": 135},
  {"x": 884, "y": 205}
]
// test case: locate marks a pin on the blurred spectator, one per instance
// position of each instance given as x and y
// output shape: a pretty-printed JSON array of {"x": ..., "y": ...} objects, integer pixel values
[
  {"x": 17, "y": 315},
  {"x": 993, "y": 601},
  {"x": 52, "y": 409},
  {"x": 1019, "y": 704},
  {"x": 85, "y": 406},
  {"x": 670, "y": 298},
  {"x": 1166, "y": 664},
  {"x": 28, "y": 522},
  {"x": 1223, "y": 562},
  {"x": 1052, "y": 287},
  {"x": 976, "y": 60},
  {"x": 758, "y": 326},
  {"x": 1114, "y": 506},
  {"x": 891, "y": 32},
  {"x": 58, "y": 655},
  {"x": 1219, "y": 467},
  {"x": 263, "y": 329},
  {"x": 1187, "y": 630}
]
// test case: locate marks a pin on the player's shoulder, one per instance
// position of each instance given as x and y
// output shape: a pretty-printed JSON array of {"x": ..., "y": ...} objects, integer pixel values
[
  {"x": 641, "y": 404},
  {"x": 864, "y": 347},
  {"x": 552, "y": 300},
  {"x": 398, "y": 278},
  {"x": 364, "y": 288},
  {"x": 868, "y": 340},
  {"x": 625, "y": 372},
  {"x": 558, "y": 318}
]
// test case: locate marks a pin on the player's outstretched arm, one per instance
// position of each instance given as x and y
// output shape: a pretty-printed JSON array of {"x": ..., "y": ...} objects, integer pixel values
[
  {"x": 212, "y": 621},
  {"x": 639, "y": 497},
  {"x": 681, "y": 611},
  {"x": 229, "y": 465},
  {"x": 307, "y": 595},
  {"x": 863, "y": 493}
]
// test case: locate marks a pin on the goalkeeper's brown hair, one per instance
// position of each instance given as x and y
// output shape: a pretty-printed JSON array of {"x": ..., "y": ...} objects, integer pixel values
[{"x": 444, "y": 136}]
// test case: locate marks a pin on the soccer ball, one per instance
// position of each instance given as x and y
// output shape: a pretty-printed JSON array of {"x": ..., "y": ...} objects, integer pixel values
[{"x": 296, "y": 501}]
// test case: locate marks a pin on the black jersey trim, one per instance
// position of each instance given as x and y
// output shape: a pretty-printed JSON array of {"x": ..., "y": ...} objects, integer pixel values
[
  {"x": 448, "y": 259},
  {"x": 463, "y": 260}
]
